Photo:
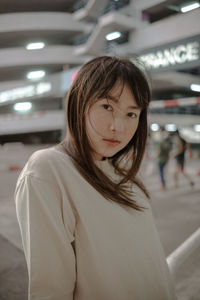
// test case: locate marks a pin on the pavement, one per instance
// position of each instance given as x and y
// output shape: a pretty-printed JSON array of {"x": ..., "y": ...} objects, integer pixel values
[{"x": 176, "y": 213}]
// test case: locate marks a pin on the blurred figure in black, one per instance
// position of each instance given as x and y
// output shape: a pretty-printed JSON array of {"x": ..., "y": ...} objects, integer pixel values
[
  {"x": 179, "y": 156},
  {"x": 163, "y": 155}
]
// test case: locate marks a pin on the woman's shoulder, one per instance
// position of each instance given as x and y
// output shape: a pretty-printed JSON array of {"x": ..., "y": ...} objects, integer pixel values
[{"x": 44, "y": 163}]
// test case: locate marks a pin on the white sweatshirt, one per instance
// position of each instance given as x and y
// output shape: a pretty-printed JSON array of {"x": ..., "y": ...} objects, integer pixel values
[{"x": 81, "y": 246}]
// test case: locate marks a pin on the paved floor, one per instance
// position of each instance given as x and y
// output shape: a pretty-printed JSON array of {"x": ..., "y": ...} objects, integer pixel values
[
  {"x": 188, "y": 278},
  {"x": 176, "y": 213},
  {"x": 13, "y": 272}
]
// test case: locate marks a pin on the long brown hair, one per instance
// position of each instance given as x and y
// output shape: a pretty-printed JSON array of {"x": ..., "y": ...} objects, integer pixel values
[{"x": 95, "y": 80}]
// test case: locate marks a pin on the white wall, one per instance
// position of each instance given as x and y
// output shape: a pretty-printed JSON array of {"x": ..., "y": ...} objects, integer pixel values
[
  {"x": 51, "y": 55},
  {"x": 39, "y": 21},
  {"x": 36, "y": 122},
  {"x": 165, "y": 31}
]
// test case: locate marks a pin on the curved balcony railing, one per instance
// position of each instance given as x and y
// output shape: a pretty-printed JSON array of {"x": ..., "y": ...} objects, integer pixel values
[{"x": 183, "y": 252}]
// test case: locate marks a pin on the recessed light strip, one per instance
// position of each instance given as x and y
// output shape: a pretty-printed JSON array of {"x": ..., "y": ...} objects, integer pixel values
[
  {"x": 35, "y": 46},
  {"x": 195, "y": 87},
  {"x": 190, "y": 7},
  {"x": 22, "y": 106},
  {"x": 113, "y": 35},
  {"x": 34, "y": 75}
]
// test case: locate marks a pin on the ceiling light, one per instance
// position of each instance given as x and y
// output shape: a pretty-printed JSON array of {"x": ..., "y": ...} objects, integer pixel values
[
  {"x": 113, "y": 35},
  {"x": 197, "y": 127},
  {"x": 170, "y": 127},
  {"x": 155, "y": 127},
  {"x": 34, "y": 46},
  {"x": 22, "y": 106},
  {"x": 190, "y": 135},
  {"x": 189, "y": 7},
  {"x": 35, "y": 74},
  {"x": 195, "y": 87}
]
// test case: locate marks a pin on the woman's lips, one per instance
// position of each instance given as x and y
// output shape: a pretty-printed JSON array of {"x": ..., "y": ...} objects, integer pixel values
[{"x": 111, "y": 142}]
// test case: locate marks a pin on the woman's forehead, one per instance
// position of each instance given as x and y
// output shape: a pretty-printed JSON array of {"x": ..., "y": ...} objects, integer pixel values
[
  {"x": 122, "y": 94},
  {"x": 113, "y": 92},
  {"x": 119, "y": 91}
]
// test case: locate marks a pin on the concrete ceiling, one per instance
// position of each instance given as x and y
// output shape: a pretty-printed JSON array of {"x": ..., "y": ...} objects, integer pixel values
[
  {"x": 13, "y": 6},
  {"x": 162, "y": 83},
  {"x": 11, "y": 39},
  {"x": 165, "y": 9},
  {"x": 19, "y": 72},
  {"x": 22, "y": 38},
  {"x": 171, "y": 85}
]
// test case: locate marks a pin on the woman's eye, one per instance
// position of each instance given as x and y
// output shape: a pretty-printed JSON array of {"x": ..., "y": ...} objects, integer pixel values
[
  {"x": 107, "y": 107},
  {"x": 132, "y": 115}
]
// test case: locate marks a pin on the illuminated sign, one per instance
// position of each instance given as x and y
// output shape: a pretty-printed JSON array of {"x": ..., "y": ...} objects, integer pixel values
[
  {"x": 25, "y": 92},
  {"x": 178, "y": 55},
  {"x": 172, "y": 56}
]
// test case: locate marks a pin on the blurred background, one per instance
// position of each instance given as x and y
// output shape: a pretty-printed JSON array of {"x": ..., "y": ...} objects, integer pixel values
[{"x": 42, "y": 46}]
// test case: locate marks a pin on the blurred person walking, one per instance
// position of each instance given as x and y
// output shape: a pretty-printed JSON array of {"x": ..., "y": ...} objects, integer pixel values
[
  {"x": 164, "y": 148},
  {"x": 181, "y": 147}
]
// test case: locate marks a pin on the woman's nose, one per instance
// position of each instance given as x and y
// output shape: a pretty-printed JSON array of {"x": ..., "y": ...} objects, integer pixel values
[{"x": 117, "y": 124}]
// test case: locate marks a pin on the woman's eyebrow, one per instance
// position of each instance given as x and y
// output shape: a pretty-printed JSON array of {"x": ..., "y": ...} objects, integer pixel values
[
  {"x": 134, "y": 107},
  {"x": 112, "y": 98}
]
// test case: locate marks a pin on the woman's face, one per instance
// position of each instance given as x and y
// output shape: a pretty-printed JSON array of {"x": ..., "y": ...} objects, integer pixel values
[{"x": 112, "y": 122}]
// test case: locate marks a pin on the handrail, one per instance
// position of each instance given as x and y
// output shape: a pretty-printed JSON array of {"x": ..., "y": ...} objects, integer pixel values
[{"x": 178, "y": 256}]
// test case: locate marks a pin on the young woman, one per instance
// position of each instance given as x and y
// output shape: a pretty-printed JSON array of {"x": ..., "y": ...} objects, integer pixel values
[{"x": 84, "y": 216}]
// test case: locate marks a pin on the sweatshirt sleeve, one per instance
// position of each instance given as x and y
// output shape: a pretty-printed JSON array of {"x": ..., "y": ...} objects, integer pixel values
[{"x": 47, "y": 241}]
